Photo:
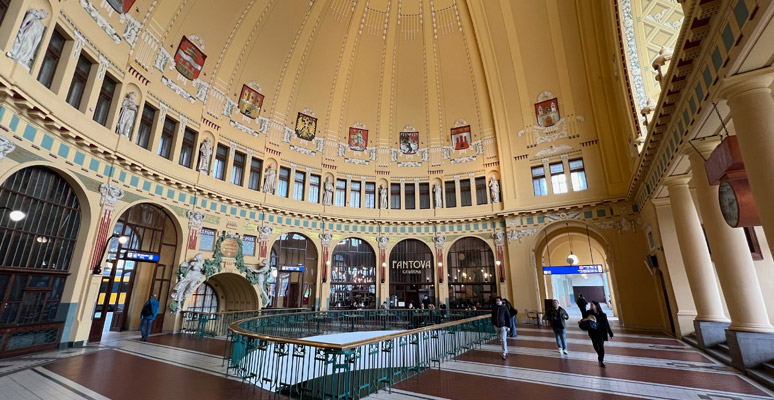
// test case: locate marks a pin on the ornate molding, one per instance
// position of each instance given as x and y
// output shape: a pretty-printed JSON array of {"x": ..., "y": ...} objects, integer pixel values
[
  {"x": 560, "y": 216},
  {"x": 499, "y": 238},
  {"x": 382, "y": 241},
  {"x": 325, "y": 238},
  {"x": 439, "y": 241},
  {"x": 110, "y": 195},
  {"x": 518, "y": 234},
  {"x": 6, "y": 147},
  {"x": 177, "y": 89},
  {"x": 264, "y": 232},
  {"x": 195, "y": 218},
  {"x": 101, "y": 21},
  {"x": 244, "y": 128},
  {"x": 553, "y": 150}
]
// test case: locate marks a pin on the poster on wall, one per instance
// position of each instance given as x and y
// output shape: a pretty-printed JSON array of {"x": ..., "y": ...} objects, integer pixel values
[
  {"x": 409, "y": 142},
  {"x": 250, "y": 102},
  {"x": 122, "y": 6},
  {"x": 189, "y": 60},
  {"x": 358, "y": 139},
  {"x": 547, "y": 112},
  {"x": 461, "y": 137},
  {"x": 306, "y": 126}
]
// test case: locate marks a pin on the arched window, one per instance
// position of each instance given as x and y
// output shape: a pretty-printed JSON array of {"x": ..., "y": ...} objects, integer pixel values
[
  {"x": 353, "y": 274},
  {"x": 204, "y": 299},
  {"x": 412, "y": 276},
  {"x": 293, "y": 259},
  {"x": 35, "y": 256},
  {"x": 471, "y": 276}
]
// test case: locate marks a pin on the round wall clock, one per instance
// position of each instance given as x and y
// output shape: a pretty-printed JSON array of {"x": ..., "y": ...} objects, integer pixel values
[{"x": 737, "y": 204}]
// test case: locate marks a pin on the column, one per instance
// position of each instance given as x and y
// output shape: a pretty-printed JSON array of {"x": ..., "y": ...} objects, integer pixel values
[
  {"x": 750, "y": 336},
  {"x": 710, "y": 322},
  {"x": 752, "y": 110}
]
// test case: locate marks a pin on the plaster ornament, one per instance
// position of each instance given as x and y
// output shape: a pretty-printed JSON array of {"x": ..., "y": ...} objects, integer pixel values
[
  {"x": 494, "y": 187},
  {"x": 328, "y": 192},
  {"x": 190, "y": 275},
  {"x": 265, "y": 231},
  {"x": 559, "y": 216},
  {"x": 110, "y": 194},
  {"x": 553, "y": 150},
  {"x": 325, "y": 238},
  {"x": 382, "y": 241},
  {"x": 382, "y": 197},
  {"x": 126, "y": 115},
  {"x": 439, "y": 241},
  {"x": 6, "y": 147},
  {"x": 262, "y": 275},
  {"x": 438, "y": 192},
  {"x": 499, "y": 238},
  {"x": 518, "y": 234},
  {"x": 205, "y": 151},
  {"x": 195, "y": 218},
  {"x": 269, "y": 179},
  {"x": 28, "y": 38}
]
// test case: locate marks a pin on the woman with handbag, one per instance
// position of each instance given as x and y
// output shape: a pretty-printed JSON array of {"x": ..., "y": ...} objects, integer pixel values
[{"x": 599, "y": 330}]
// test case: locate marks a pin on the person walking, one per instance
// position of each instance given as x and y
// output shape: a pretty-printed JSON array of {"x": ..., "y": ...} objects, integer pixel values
[
  {"x": 558, "y": 315},
  {"x": 149, "y": 312},
  {"x": 501, "y": 319},
  {"x": 599, "y": 335},
  {"x": 582, "y": 303},
  {"x": 512, "y": 311}
]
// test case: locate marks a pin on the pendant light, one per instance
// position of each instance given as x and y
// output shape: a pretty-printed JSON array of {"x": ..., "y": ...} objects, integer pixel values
[{"x": 572, "y": 259}]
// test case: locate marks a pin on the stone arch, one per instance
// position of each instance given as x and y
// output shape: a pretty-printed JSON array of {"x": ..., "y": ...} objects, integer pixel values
[{"x": 235, "y": 292}]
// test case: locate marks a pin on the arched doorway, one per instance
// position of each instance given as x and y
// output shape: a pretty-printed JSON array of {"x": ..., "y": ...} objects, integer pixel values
[
  {"x": 353, "y": 274},
  {"x": 35, "y": 257},
  {"x": 471, "y": 278},
  {"x": 204, "y": 299},
  {"x": 412, "y": 276},
  {"x": 234, "y": 291},
  {"x": 127, "y": 282},
  {"x": 293, "y": 279}
]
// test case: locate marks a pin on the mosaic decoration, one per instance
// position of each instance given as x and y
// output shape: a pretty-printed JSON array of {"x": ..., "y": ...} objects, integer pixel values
[
  {"x": 189, "y": 60},
  {"x": 122, "y": 6},
  {"x": 306, "y": 126},
  {"x": 547, "y": 112},
  {"x": 250, "y": 102},
  {"x": 460, "y": 137},
  {"x": 409, "y": 142},
  {"x": 358, "y": 139}
]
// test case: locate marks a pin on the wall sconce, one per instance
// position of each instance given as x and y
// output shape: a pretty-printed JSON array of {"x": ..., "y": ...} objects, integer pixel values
[
  {"x": 501, "y": 269},
  {"x": 440, "y": 272},
  {"x": 383, "y": 270}
]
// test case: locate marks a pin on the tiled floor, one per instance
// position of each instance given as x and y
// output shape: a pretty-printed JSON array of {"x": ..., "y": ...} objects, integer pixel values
[{"x": 639, "y": 366}]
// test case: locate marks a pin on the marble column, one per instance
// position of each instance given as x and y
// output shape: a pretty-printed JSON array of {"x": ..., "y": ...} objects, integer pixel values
[
  {"x": 752, "y": 110},
  {"x": 710, "y": 322}
]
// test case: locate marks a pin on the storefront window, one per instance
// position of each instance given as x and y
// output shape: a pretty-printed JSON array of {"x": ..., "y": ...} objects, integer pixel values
[
  {"x": 471, "y": 274},
  {"x": 353, "y": 275}
]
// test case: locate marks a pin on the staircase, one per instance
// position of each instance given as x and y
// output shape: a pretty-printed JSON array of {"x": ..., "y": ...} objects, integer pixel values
[{"x": 763, "y": 374}]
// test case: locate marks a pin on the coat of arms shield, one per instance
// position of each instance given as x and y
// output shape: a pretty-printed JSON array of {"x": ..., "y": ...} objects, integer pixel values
[
  {"x": 460, "y": 137},
  {"x": 306, "y": 126},
  {"x": 358, "y": 139},
  {"x": 547, "y": 112},
  {"x": 250, "y": 102},
  {"x": 189, "y": 60},
  {"x": 122, "y": 6},
  {"x": 409, "y": 142}
]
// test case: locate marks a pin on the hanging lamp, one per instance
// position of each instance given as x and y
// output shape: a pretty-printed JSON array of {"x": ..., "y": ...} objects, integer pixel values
[{"x": 572, "y": 259}]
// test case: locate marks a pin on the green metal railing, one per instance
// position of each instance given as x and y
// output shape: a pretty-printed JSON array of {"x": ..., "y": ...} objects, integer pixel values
[
  {"x": 216, "y": 324},
  {"x": 269, "y": 352}
]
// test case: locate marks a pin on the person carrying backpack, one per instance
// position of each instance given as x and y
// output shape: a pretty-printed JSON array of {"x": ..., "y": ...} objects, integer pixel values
[
  {"x": 512, "y": 311},
  {"x": 149, "y": 312}
]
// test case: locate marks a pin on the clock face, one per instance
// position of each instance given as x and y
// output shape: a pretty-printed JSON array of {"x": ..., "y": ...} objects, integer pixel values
[{"x": 728, "y": 204}]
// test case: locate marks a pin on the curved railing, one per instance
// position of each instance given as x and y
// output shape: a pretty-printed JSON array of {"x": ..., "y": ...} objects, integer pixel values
[
  {"x": 216, "y": 323},
  {"x": 288, "y": 354}
]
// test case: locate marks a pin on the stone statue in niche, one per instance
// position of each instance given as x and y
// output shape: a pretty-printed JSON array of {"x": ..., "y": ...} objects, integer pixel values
[
  {"x": 494, "y": 187},
  {"x": 28, "y": 37},
  {"x": 262, "y": 273},
  {"x": 438, "y": 192},
  {"x": 328, "y": 192},
  {"x": 269, "y": 179},
  {"x": 205, "y": 151},
  {"x": 190, "y": 275},
  {"x": 382, "y": 197},
  {"x": 126, "y": 115}
]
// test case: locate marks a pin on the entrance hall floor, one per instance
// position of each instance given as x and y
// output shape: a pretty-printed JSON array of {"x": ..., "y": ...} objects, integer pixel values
[{"x": 640, "y": 365}]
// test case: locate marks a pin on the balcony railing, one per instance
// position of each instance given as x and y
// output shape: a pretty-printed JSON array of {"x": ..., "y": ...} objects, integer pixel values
[
  {"x": 284, "y": 354},
  {"x": 216, "y": 324}
]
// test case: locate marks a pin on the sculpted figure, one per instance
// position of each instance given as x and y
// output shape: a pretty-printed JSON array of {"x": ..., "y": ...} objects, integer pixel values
[
  {"x": 126, "y": 115},
  {"x": 28, "y": 38},
  {"x": 192, "y": 273},
  {"x": 205, "y": 151},
  {"x": 328, "y": 192},
  {"x": 494, "y": 187},
  {"x": 438, "y": 192},
  {"x": 269, "y": 179},
  {"x": 262, "y": 272},
  {"x": 382, "y": 197}
]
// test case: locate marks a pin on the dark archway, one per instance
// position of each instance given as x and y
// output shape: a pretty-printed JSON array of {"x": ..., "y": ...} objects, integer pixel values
[
  {"x": 294, "y": 272},
  {"x": 471, "y": 278},
  {"x": 412, "y": 276}
]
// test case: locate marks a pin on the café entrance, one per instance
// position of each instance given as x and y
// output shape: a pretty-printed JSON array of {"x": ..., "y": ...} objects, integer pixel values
[{"x": 412, "y": 277}]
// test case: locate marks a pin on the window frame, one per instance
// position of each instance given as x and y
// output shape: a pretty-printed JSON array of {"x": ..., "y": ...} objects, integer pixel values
[
  {"x": 340, "y": 193},
  {"x": 167, "y": 137},
  {"x": 314, "y": 188},
  {"x": 466, "y": 195},
  {"x": 238, "y": 168},
  {"x": 395, "y": 196},
  {"x": 256, "y": 170},
  {"x": 105, "y": 100},
  {"x": 539, "y": 180},
  {"x": 450, "y": 194},
  {"x": 410, "y": 196},
  {"x": 283, "y": 182},
  {"x": 298, "y": 185},
  {"x": 370, "y": 195},
  {"x": 355, "y": 193},
  {"x": 424, "y": 195},
  {"x": 220, "y": 162},
  {"x": 482, "y": 197},
  {"x": 558, "y": 186},
  {"x": 51, "y": 57},
  {"x": 187, "y": 148},
  {"x": 79, "y": 76},
  {"x": 145, "y": 122},
  {"x": 576, "y": 174}
]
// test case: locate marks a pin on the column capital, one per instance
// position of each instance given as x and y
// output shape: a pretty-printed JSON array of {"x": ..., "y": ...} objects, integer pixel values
[
  {"x": 740, "y": 83},
  {"x": 702, "y": 147},
  {"x": 672, "y": 181}
]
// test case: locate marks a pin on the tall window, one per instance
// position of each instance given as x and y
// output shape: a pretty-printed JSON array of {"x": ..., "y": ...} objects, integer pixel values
[
  {"x": 424, "y": 196},
  {"x": 80, "y": 78},
  {"x": 219, "y": 166},
  {"x": 353, "y": 274},
  {"x": 539, "y": 181},
  {"x": 284, "y": 182},
  {"x": 481, "y": 192},
  {"x": 558, "y": 178},
  {"x": 248, "y": 245},
  {"x": 298, "y": 186},
  {"x": 167, "y": 138},
  {"x": 370, "y": 195},
  {"x": 410, "y": 196},
  {"x": 341, "y": 192},
  {"x": 354, "y": 194},
  {"x": 314, "y": 188},
  {"x": 186, "y": 151},
  {"x": 471, "y": 273},
  {"x": 256, "y": 166},
  {"x": 146, "y": 126},
  {"x": 465, "y": 197},
  {"x": 204, "y": 300},
  {"x": 207, "y": 239},
  {"x": 238, "y": 169},
  {"x": 395, "y": 196},
  {"x": 104, "y": 100},
  {"x": 51, "y": 59},
  {"x": 451, "y": 194},
  {"x": 577, "y": 175}
]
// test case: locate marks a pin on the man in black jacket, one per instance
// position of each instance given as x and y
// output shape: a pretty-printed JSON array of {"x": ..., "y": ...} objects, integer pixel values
[
  {"x": 501, "y": 319},
  {"x": 581, "y": 302}
]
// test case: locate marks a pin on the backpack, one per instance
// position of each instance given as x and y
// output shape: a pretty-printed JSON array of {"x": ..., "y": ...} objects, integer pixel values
[{"x": 147, "y": 310}]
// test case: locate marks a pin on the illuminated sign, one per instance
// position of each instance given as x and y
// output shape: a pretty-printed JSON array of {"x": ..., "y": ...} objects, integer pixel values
[
  {"x": 292, "y": 268},
  {"x": 140, "y": 256},
  {"x": 574, "y": 269}
]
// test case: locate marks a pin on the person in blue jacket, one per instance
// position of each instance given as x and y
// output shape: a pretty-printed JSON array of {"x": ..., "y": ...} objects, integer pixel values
[{"x": 149, "y": 312}]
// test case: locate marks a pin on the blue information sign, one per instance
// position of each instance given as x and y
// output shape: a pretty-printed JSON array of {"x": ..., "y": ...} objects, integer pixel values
[
  {"x": 140, "y": 256},
  {"x": 292, "y": 268},
  {"x": 574, "y": 269}
]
